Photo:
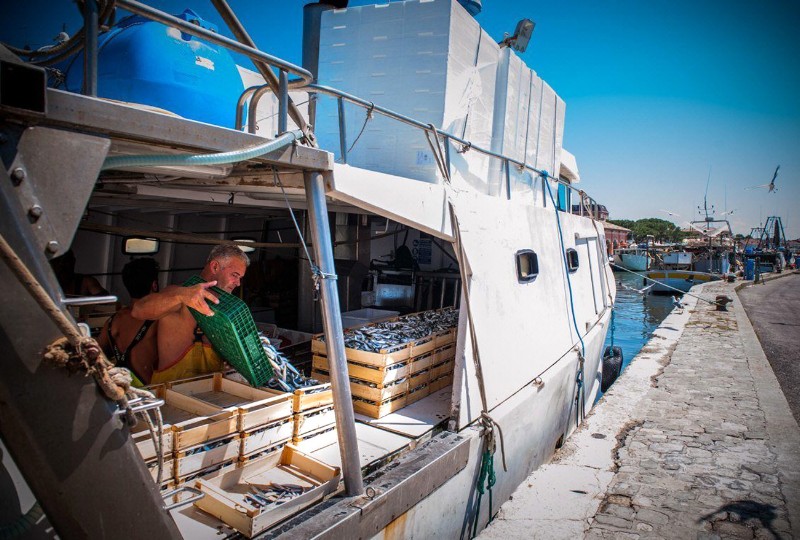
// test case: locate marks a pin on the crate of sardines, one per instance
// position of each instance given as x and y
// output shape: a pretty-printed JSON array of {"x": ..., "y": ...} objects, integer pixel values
[
  {"x": 397, "y": 341},
  {"x": 267, "y": 490}
]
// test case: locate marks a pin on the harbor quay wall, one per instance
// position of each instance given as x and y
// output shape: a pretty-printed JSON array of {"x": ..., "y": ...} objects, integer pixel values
[{"x": 694, "y": 440}]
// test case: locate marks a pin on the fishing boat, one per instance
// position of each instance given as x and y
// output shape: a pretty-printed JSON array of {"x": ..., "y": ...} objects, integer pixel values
[
  {"x": 633, "y": 258},
  {"x": 706, "y": 257},
  {"x": 434, "y": 181}
]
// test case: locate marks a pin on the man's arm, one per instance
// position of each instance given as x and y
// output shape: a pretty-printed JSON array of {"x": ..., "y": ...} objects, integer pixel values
[{"x": 156, "y": 305}]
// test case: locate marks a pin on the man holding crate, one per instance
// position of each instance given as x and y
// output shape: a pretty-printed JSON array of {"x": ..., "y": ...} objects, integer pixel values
[{"x": 182, "y": 350}]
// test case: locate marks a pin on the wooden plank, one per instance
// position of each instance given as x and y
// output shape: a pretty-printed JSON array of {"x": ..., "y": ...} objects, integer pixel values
[
  {"x": 370, "y": 393},
  {"x": 145, "y": 444},
  {"x": 190, "y": 404},
  {"x": 376, "y": 410},
  {"x": 373, "y": 374},
  {"x": 187, "y": 463},
  {"x": 309, "y": 397},
  {"x": 313, "y": 420},
  {"x": 259, "y": 440},
  {"x": 199, "y": 430}
]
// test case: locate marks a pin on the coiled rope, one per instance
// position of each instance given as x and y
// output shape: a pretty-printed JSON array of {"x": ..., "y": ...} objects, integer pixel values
[{"x": 74, "y": 351}]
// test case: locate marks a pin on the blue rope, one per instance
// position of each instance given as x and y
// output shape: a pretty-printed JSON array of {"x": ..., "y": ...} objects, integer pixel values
[
  {"x": 612, "y": 327},
  {"x": 564, "y": 258}
]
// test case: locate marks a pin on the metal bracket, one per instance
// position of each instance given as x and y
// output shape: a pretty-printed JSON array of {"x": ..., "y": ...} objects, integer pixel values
[
  {"x": 141, "y": 404},
  {"x": 52, "y": 192},
  {"x": 196, "y": 496}
]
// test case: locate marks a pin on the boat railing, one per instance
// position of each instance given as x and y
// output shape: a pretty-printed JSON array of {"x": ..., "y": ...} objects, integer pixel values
[
  {"x": 280, "y": 86},
  {"x": 588, "y": 207}
]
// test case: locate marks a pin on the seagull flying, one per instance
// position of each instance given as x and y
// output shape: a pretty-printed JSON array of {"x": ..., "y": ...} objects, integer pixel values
[
  {"x": 642, "y": 291},
  {"x": 671, "y": 213},
  {"x": 771, "y": 186}
]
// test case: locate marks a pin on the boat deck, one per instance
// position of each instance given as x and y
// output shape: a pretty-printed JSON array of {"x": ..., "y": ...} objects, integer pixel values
[{"x": 379, "y": 441}]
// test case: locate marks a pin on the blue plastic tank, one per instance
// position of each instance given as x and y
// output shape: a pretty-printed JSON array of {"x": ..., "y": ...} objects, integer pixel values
[{"x": 143, "y": 61}]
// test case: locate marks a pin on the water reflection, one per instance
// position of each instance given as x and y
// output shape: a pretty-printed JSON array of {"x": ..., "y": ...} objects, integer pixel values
[{"x": 635, "y": 316}]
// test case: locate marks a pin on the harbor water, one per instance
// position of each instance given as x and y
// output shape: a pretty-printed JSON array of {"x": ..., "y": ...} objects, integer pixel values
[{"x": 635, "y": 316}]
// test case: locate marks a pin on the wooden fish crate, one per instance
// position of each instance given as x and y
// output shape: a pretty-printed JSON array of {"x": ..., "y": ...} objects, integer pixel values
[
  {"x": 256, "y": 407},
  {"x": 441, "y": 382},
  {"x": 167, "y": 472},
  {"x": 206, "y": 455},
  {"x": 258, "y": 440},
  {"x": 312, "y": 441},
  {"x": 140, "y": 434},
  {"x": 194, "y": 421},
  {"x": 226, "y": 492},
  {"x": 380, "y": 409},
  {"x": 367, "y": 390},
  {"x": 313, "y": 419},
  {"x": 440, "y": 370},
  {"x": 392, "y": 355},
  {"x": 309, "y": 397}
]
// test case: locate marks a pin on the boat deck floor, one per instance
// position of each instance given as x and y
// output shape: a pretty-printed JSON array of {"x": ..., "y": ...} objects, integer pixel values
[{"x": 379, "y": 441}]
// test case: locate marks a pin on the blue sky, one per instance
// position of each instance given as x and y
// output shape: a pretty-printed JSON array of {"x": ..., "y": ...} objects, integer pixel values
[{"x": 658, "y": 92}]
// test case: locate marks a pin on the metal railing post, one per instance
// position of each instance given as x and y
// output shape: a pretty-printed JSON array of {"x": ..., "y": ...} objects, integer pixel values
[
  {"x": 332, "y": 324},
  {"x": 508, "y": 179},
  {"x": 90, "y": 24},
  {"x": 283, "y": 101},
  {"x": 342, "y": 131}
]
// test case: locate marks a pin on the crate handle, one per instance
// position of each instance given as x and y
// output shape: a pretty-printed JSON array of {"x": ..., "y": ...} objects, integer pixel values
[{"x": 197, "y": 495}]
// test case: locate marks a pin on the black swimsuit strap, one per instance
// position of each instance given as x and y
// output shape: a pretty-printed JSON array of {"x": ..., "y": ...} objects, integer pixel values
[{"x": 122, "y": 359}]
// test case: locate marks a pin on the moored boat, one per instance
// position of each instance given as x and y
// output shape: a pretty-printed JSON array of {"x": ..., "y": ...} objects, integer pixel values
[{"x": 527, "y": 276}]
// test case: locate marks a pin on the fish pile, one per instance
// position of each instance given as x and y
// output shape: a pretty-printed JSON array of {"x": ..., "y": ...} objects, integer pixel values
[
  {"x": 274, "y": 494},
  {"x": 285, "y": 376},
  {"x": 387, "y": 335}
]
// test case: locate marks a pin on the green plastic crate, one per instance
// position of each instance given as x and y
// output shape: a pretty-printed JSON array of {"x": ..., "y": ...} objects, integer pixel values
[{"x": 234, "y": 335}]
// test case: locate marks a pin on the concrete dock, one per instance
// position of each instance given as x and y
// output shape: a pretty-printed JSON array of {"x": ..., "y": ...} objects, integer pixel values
[{"x": 695, "y": 440}]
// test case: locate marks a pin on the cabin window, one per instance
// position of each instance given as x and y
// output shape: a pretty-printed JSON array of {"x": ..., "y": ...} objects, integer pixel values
[
  {"x": 527, "y": 266},
  {"x": 572, "y": 260},
  {"x": 136, "y": 245}
]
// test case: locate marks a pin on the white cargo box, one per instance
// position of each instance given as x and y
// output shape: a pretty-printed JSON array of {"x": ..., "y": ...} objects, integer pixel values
[{"x": 427, "y": 59}]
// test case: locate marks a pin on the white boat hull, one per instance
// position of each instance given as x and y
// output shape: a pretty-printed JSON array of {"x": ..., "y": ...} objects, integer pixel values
[{"x": 634, "y": 261}]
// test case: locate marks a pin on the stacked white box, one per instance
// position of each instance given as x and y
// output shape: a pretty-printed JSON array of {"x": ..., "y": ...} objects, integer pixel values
[
  {"x": 427, "y": 59},
  {"x": 531, "y": 129}
]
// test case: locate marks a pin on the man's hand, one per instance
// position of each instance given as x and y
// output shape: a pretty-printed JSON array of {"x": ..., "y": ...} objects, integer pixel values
[{"x": 196, "y": 296}]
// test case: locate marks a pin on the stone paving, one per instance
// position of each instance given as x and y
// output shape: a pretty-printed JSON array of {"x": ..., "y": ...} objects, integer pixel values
[
  {"x": 695, "y": 453},
  {"x": 699, "y": 465}
]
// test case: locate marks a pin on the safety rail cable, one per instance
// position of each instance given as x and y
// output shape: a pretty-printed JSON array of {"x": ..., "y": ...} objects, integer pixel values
[
  {"x": 426, "y": 127},
  {"x": 566, "y": 268},
  {"x": 712, "y": 302}
]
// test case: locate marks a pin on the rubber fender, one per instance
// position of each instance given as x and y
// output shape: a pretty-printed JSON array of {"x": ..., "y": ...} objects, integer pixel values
[{"x": 612, "y": 367}]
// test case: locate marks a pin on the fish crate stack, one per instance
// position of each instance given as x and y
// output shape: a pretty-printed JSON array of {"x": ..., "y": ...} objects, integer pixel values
[
  {"x": 394, "y": 363},
  {"x": 312, "y": 413},
  {"x": 211, "y": 422}
]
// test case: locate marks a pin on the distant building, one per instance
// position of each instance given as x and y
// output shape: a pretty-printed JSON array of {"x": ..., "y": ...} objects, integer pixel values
[
  {"x": 616, "y": 236},
  {"x": 598, "y": 210}
]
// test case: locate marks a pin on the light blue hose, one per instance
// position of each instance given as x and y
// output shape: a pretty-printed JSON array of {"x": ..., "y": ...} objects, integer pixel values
[
  {"x": 566, "y": 266},
  {"x": 164, "y": 160}
]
